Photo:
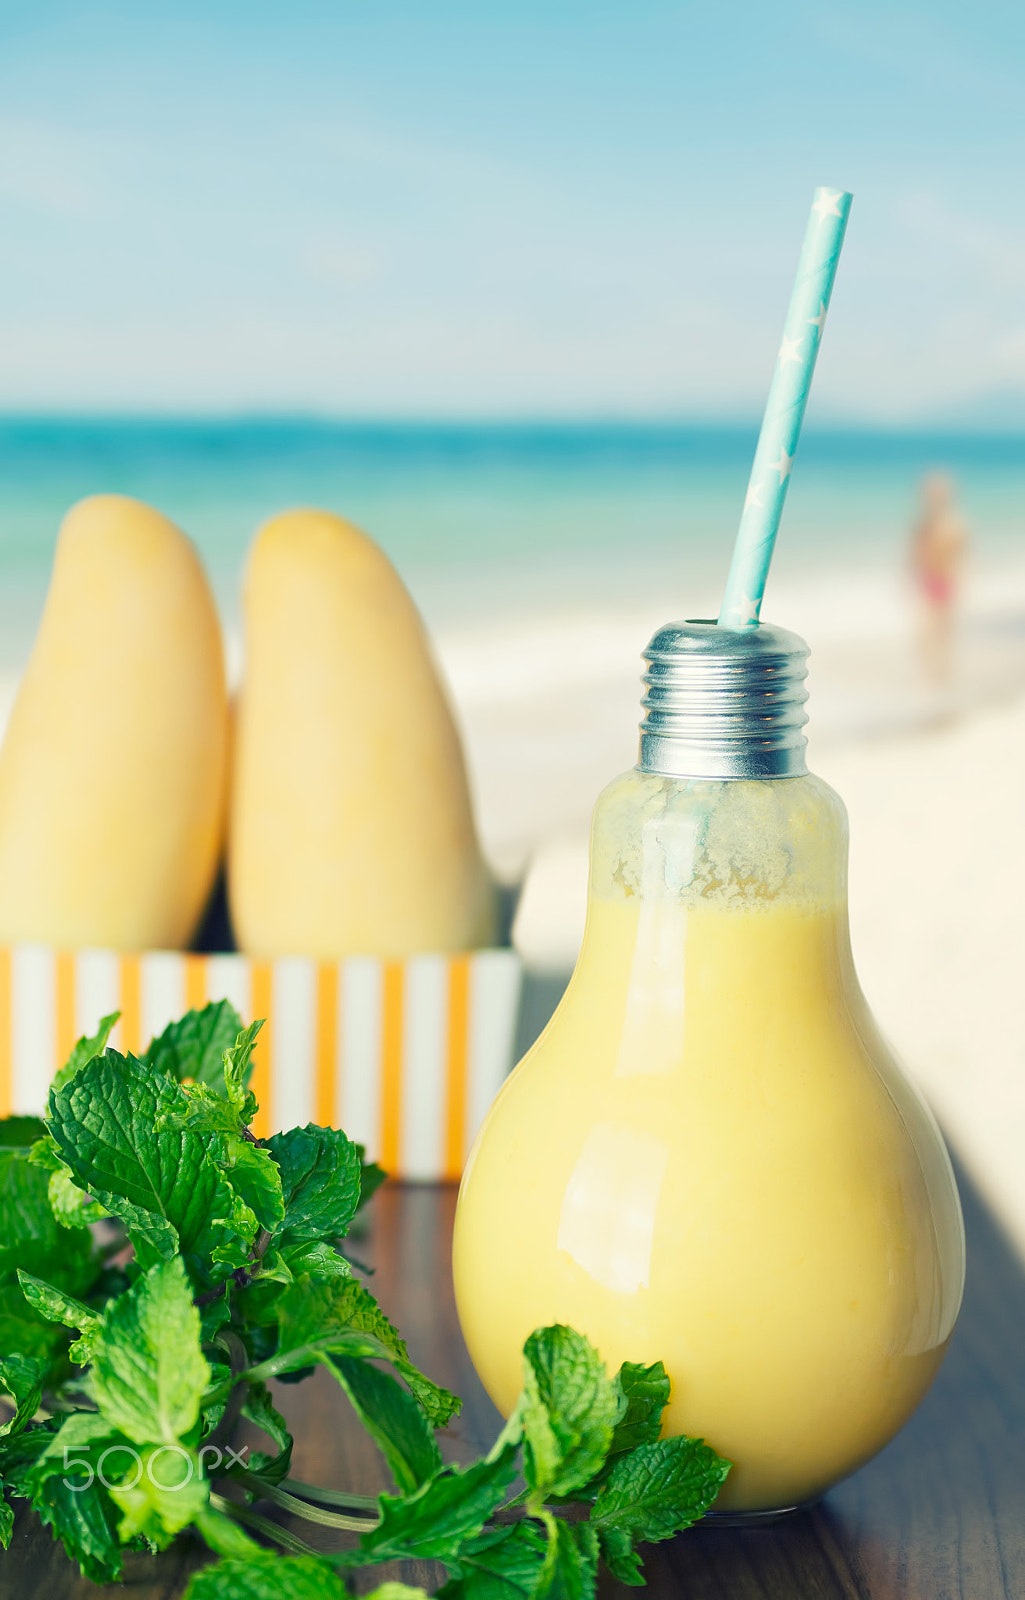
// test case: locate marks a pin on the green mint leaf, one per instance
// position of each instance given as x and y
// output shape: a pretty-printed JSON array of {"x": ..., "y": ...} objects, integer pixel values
[
  {"x": 6, "y": 1522},
  {"x": 643, "y": 1394},
  {"x": 568, "y": 1411},
  {"x": 620, "y": 1557},
  {"x": 311, "y": 1312},
  {"x": 162, "y": 1182},
  {"x": 317, "y": 1261},
  {"x": 393, "y": 1419},
  {"x": 226, "y": 1113},
  {"x": 72, "y": 1207},
  {"x": 660, "y": 1488},
  {"x": 223, "y": 1534},
  {"x": 22, "y": 1377},
  {"x": 20, "y": 1451},
  {"x": 371, "y": 1176},
  {"x": 86, "y": 1048},
  {"x": 203, "y": 1110},
  {"x": 432, "y": 1524},
  {"x": 20, "y": 1132},
  {"x": 364, "y": 1314},
  {"x": 212, "y": 1413},
  {"x": 213, "y": 1317},
  {"x": 320, "y": 1181},
  {"x": 193, "y": 1048},
  {"x": 259, "y": 1409},
  {"x": 149, "y": 1372},
  {"x": 162, "y": 1491},
  {"x": 253, "y": 1172},
  {"x": 26, "y": 1334},
  {"x": 56, "y": 1306},
  {"x": 571, "y": 1565},
  {"x": 396, "y": 1591},
  {"x": 499, "y": 1564},
  {"x": 30, "y": 1236},
  {"x": 272, "y": 1273},
  {"x": 238, "y": 1071},
  {"x": 645, "y": 1391},
  {"x": 266, "y": 1575},
  {"x": 227, "y": 1107},
  {"x": 65, "y": 1489},
  {"x": 84, "y": 1522},
  {"x": 315, "y": 1314},
  {"x": 236, "y": 1231}
]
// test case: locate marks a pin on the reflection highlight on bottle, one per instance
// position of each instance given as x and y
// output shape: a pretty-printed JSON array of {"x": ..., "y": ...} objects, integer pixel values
[
  {"x": 652, "y": 1039},
  {"x": 607, "y": 1222}
]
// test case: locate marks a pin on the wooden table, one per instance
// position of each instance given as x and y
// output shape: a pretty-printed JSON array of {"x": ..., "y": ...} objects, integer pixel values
[{"x": 940, "y": 1514}]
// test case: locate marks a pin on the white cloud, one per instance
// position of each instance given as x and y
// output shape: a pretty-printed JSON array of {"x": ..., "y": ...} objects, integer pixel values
[
  {"x": 52, "y": 170},
  {"x": 992, "y": 246},
  {"x": 339, "y": 262}
]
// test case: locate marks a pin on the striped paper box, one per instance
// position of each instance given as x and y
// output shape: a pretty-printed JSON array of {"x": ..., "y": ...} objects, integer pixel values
[{"x": 406, "y": 1056}]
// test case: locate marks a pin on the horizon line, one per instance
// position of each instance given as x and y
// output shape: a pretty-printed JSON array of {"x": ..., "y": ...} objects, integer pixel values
[{"x": 504, "y": 422}]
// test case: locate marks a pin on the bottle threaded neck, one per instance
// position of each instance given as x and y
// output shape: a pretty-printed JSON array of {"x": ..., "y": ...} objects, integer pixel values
[{"x": 724, "y": 702}]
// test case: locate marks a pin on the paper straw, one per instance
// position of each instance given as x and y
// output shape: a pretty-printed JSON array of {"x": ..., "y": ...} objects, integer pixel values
[{"x": 784, "y": 410}]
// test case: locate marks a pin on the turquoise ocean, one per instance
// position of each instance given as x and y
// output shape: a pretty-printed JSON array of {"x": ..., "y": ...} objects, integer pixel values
[{"x": 495, "y": 521}]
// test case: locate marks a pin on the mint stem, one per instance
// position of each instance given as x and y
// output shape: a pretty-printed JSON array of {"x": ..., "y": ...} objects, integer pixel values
[
  {"x": 237, "y": 1357},
  {"x": 300, "y": 1508},
  {"x": 271, "y": 1367},
  {"x": 329, "y": 1497},
  {"x": 270, "y": 1530}
]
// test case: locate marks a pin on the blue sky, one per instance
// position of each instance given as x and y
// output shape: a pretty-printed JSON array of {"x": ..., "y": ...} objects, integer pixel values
[{"x": 455, "y": 209}]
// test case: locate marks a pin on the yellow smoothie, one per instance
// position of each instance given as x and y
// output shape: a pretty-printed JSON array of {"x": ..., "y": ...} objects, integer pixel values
[{"x": 710, "y": 1159}]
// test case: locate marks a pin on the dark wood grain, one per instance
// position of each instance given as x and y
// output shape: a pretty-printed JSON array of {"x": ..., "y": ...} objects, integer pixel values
[{"x": 940, "y": 1515}]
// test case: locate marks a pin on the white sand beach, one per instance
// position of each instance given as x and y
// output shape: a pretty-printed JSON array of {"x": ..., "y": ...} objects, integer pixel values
[{"x": 935, "y": 788}]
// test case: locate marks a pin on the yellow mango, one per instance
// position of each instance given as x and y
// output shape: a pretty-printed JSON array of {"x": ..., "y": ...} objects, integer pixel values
[
  {"x": 114, "y": 766},
  {"x": 351, "y": 824}
]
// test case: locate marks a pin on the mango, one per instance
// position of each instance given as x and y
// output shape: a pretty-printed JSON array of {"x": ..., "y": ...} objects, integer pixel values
[
  {"x": 351, "y": 826},
  {"x": 113, "y": 770}
]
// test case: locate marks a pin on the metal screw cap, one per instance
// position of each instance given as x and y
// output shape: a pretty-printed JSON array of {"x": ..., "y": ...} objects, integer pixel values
[{"x": 724, "y": 702}]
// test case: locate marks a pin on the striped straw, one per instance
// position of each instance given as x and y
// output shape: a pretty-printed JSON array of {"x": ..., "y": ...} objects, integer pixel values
[{"x": 784, "y": 411}]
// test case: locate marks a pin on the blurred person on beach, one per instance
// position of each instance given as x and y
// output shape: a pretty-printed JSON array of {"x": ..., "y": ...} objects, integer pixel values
[{"x": 939, "y": 545}]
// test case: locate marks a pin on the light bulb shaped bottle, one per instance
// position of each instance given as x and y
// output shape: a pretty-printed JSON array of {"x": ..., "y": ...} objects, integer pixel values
[{"x": 710, "y": 1157}]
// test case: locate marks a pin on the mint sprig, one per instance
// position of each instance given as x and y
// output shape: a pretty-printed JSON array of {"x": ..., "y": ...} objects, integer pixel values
[
  {"x": 160, "y": 1265},
  {"x": 113, "y": 1125},
  {"x": 568, "y": 1413},
  {"x": 192, "y": 1049}
]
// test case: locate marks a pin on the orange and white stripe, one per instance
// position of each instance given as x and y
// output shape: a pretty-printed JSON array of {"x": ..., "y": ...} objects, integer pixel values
[{"x": 406, "y": 1056}]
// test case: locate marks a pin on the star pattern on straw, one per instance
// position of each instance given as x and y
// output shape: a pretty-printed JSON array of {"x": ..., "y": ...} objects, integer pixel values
[
  {"x": 826, "y": 205},
  {"x": 784, "y": 412},
  {"x": 783, "y": 465}
]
